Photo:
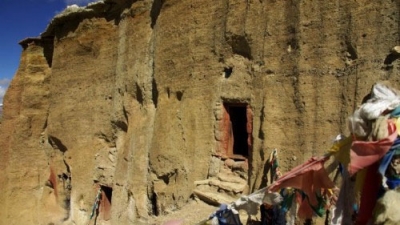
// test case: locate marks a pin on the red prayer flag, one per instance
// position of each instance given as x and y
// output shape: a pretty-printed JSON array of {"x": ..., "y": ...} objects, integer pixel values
[
  {"x": 309, "y": 177},
  {"x": 366, "y": 153}
]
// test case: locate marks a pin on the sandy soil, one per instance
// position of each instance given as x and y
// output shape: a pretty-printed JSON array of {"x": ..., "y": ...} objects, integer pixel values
[{"x": 195, "y": 213}]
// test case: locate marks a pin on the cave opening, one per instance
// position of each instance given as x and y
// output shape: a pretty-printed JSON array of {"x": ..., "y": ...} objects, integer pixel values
[
  {"x": 237, "y": 132},
  {"x": 105, "y": 203}
]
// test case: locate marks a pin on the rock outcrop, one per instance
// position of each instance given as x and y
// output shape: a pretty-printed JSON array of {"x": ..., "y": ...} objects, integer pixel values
[{"x": 151, "y": 103}]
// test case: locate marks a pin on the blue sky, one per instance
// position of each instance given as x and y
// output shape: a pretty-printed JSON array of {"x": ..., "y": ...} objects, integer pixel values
[{"x": 20, "y": 19}]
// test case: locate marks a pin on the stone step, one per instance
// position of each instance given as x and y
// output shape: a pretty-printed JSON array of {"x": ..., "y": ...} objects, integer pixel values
[
  {"x": 231, "y": 177},
  {"x": 234, "y": 187},
  {"x": 213, "y": 198},
  {"x": 228, "y": 186}
]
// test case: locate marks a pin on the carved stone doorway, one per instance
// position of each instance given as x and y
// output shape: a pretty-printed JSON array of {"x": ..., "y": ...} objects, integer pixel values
[{"x": 237, "y": 130}]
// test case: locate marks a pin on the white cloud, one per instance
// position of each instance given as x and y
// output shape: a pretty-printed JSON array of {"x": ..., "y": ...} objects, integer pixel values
[
  {"x": 4, "y": 82},
  {"x": 2, "y": 92},
  {"x": 79, "y": 2},
  {"x": 3, "y": 87}
]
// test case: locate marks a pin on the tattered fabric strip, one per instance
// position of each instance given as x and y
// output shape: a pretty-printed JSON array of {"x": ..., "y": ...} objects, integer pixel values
[{"x": 366, "y": 153}]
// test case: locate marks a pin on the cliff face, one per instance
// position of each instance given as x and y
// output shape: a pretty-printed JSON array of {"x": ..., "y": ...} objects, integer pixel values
[{"x": 141, "y": 100}]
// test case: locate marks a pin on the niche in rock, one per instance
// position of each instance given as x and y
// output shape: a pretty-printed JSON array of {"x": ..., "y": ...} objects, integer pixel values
[
  {"x": 237, "y": 136},
  {"x": 105, "y": 202}
]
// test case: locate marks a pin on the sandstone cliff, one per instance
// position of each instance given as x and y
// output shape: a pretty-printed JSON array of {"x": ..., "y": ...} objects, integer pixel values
[{"x": 147, "y": 101}]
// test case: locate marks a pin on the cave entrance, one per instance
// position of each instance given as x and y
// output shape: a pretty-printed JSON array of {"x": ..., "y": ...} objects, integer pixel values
[
  {"x": 105, "y": 203},
  {"x": 237, "y": 130}
]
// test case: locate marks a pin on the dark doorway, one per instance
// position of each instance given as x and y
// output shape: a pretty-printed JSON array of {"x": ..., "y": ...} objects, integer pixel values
[
  {"x": 105, "y": 204},
  {"x": 107, "y": 193},
  {"x": 237, "y": 113}
]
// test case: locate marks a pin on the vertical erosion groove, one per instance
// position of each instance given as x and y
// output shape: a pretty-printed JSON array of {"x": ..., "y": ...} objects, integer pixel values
[{"x": 155, "y": 11}]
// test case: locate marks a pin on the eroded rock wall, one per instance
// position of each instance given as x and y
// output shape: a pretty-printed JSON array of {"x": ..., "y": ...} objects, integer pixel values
[
  {"x": 24, "y": 162},
  {"x": 128, "y": 97}
]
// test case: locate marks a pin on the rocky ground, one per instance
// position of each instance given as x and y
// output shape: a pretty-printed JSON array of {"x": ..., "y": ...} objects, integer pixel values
[
  {"x": 195, "y": 213},
  {"x": 199, "y": 212}
]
